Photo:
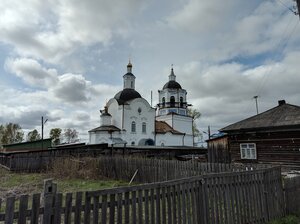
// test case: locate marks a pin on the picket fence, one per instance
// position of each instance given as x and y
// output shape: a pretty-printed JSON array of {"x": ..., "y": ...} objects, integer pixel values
[{"x": 253, "y": 196}]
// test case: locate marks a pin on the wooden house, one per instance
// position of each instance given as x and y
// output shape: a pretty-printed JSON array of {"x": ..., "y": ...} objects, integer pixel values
[
  {"x": 269, "y": 137},
  {"x": 218, "y": 150}
]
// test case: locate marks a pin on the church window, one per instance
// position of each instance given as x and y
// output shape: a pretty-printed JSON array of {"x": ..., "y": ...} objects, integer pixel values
[
  {"x": 163, "y": 102},
  {"x": 172, "y": 101},
  {"x": 133, "y": 126},
  {"x": 144, "y": 127},
  {"x": 181, "y": 101},
  {"x": 131, "y": 84}
]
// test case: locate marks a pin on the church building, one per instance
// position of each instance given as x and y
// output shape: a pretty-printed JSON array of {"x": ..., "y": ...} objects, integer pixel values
[{"x": 129, "y": 119}]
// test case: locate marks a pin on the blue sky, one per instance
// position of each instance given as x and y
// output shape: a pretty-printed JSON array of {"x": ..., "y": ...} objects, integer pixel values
[{"x": 64, "y": 59}]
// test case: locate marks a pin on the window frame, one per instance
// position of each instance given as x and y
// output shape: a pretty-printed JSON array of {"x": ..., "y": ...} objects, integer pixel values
[
  {"x": 133, "y": 127},
  {"x": 144, "y": 128},
  {"x": 248, "y": 151}
]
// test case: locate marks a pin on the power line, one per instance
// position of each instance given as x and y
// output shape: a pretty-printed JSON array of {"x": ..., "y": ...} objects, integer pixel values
[{"x": 289, "y": 8}]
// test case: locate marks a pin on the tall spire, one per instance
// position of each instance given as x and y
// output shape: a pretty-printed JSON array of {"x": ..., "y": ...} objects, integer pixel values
[{"x": 172, "y": 76}]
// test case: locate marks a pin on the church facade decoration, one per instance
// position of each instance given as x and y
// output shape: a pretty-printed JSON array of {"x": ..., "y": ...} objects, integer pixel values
[{"x": 129, "y": 119}]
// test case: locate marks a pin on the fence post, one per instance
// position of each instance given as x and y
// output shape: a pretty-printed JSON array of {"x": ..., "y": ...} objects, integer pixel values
[{"x": 48, "y": 201}]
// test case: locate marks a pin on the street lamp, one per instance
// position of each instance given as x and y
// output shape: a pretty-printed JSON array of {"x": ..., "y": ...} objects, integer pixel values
[{"x": 43, "y": 122}]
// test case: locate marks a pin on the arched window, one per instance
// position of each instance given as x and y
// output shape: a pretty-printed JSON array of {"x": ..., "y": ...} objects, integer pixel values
[
  {"x": 181, "y": 102},
  {"x": 172, "y": 101},
  {"x": 144, "y": 127},
  {"x": 131, "y": 84},
  {"x": 163, "y": 102},
  {"x": 133, "y": 126},
  {"x": 132, "y": 143}
]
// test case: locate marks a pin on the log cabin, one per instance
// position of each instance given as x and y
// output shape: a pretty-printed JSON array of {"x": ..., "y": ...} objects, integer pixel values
[{"x": 272, "y": 136}]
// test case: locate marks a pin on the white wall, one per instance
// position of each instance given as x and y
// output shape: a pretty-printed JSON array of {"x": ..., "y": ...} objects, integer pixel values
[{"x": 147, "y": 115}]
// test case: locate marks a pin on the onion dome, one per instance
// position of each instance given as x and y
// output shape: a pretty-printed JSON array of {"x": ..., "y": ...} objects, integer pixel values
[
  {"x": 172, "y": 84},
  {"x": 126, "y": 94}
]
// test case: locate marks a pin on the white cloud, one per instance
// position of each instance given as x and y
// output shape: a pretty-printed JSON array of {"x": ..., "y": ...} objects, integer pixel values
[
  {"x": 50, "y": 30},
  {"x": 31, "y": 72}
]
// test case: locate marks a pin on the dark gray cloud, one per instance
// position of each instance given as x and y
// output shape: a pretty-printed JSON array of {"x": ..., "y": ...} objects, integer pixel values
[{"x": 72, "y": 89}]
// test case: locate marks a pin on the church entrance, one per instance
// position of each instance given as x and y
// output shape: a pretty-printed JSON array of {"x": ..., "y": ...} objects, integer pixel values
[{"x": 146, "y": 141}]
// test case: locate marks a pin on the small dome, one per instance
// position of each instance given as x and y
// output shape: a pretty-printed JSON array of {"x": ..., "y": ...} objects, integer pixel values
[
  {"x": 172, "y": 85},
  {"x": 126, "y": 95}
]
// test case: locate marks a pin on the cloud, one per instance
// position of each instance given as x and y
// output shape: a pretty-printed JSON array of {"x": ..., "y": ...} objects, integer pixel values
[
  {"x": 50, "y": 30},
  {"x": 224, "y": 93},
  {"x": 31, "y": 72},
  {"x": 72, "y": 88}
]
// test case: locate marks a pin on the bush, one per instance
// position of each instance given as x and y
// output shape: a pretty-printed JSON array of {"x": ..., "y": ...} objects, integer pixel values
[{"x": 83, "y": 168}]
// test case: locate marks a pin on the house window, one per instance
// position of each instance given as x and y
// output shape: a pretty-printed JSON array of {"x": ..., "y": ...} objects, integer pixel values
[
  {"x": 172, "y": 101},
  {"x": 248, "y": 150},
  {"x": 144, "y": 127},
  {"x": 133, "y": 126}
]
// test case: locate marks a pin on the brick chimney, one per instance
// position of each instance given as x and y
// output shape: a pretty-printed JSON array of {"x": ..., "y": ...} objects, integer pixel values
[{"x": 281, "y": 102}]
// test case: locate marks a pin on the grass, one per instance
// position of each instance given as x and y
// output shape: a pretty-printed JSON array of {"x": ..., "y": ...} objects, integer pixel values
[
  {"x": 16, "y": 184},
  {"x": 290, "y": 219}
]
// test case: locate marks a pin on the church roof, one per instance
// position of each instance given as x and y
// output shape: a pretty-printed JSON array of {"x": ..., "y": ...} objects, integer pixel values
[
  {"x": 283, "y": 116},
  {"x": 129, "y": 74},
  {"x": 172, "y": 85},
  {"x": 126, "y": 94},
  {"x": 162, "y": 127},
  {"x": 106, "y": 128}
]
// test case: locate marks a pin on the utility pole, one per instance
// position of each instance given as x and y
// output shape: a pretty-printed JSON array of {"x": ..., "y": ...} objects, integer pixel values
[
  {"x": 298, "y": 7},
  {"x": 43, "y": 122},
  {"x": 255, "y": 97}
]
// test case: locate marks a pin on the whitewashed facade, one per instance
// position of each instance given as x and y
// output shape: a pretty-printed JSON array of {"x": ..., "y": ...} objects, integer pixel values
[{"x": 129, "y": 118}]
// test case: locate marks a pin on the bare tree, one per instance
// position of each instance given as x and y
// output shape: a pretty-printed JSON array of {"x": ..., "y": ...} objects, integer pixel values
[
  {"x": 71, "y": 135},
  {"x": 195, "y": 114}
]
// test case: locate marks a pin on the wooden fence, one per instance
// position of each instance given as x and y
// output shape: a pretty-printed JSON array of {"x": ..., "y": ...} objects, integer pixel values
[
  {"x": 292, "y": 195},
  {"x": 35, "y": 161},
  {"x": 155, "y": 170},
  {"x": 254, "y": 196}
]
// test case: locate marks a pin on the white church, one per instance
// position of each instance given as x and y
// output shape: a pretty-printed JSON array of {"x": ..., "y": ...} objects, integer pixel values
[{"x": 129, "y": 119}]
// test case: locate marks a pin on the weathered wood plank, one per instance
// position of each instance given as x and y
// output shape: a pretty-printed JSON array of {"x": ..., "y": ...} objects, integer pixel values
[
  {"x": 9, "y": 210},
  {"x": 119, "y": 208},
  {"x": 23, "y": 206},
  {"x": 78, "y": 203},
  {"x": 133, "y": 207},
  {"x": 112, "y": 208},
  {"x": 48, "y": 208},
  {"x": 140, "y": 206},
  {"x": 57, "y": 208},
  {"x": 96, "y": 209},
  {"x": 35, "y": 210},
  {"x": 126, "y": 207},
  {"x": 68, "y": 208},
  {"x": 103, "y": 208}
]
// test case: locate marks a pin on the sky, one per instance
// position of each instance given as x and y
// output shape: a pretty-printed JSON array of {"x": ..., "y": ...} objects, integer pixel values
[{"x": 64, "y": 59}]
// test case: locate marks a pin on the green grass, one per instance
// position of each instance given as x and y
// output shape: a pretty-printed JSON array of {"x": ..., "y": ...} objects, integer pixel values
[
  {"x": 15, "y": 184},
  {"x": 290, "y": 219}
]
